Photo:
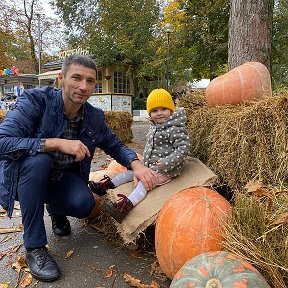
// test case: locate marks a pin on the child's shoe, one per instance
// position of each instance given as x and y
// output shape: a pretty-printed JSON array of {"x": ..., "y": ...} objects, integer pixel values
[
  {"x": 118, "y": 210},
  {"x": 100, "y": 188}
]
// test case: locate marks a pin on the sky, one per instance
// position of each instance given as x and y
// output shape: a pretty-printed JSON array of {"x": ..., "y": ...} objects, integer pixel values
[{"x": 47, "y": 8}]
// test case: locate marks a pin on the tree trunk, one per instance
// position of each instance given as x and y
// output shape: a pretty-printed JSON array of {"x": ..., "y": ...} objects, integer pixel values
[{"x": 250, "y": 32}]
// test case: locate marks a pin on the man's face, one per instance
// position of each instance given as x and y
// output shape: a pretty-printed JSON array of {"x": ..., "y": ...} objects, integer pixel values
[{"x": 78, "y": 84}]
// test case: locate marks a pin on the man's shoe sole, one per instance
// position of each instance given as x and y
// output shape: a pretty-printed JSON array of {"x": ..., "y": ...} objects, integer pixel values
[{"x": 44, "y": 279}]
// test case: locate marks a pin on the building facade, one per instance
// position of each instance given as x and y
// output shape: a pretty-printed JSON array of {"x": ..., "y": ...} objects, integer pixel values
[{"x": 114, "y": 90}]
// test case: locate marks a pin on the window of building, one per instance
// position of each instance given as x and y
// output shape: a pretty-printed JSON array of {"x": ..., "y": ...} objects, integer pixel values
[
  {"x": 99, "y": 84},
  {"x": 121, "y": 82}
]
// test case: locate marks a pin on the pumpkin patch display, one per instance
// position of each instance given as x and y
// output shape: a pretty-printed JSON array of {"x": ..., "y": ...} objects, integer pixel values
[
  {"x": 218, "y": 269},
  {"x": 250, "y": 81},
  {"x": 189, "y": 224}
]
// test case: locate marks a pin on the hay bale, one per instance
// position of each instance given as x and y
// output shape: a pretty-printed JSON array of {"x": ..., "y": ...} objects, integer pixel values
[
  {"x": 2, "y": 115},
  {"x": 120, "y": 122},
  {"x": 242, "y": 142},
  {"x": 259, "y": 234}
]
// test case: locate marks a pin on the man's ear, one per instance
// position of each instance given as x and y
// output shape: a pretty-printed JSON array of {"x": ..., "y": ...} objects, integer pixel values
[{"x": 60, "y": 79}]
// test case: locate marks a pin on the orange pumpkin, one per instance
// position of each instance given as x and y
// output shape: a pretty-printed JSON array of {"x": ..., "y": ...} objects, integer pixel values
[
  {"x": 96, "y": 176},
  {"x": 189, "y": 224},
  {"x": 115, "y": 166},
  {"x": 250, "y": 81}
]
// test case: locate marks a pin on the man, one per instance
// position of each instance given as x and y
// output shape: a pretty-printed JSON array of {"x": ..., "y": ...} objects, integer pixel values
[{"x": 47, "y": 143}]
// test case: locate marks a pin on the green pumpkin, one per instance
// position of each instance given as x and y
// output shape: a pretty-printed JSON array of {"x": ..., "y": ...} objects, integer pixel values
[{"x": 218, "y": 269}]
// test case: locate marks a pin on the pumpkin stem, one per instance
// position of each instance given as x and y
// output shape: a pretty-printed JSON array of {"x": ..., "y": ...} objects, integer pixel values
[{"x": 213, "y": 283}]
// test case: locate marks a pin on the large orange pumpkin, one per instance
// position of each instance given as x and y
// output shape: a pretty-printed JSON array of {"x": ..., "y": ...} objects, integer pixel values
[
  {"x": 115, "y": 166},
  {"x": 250, "y": 81},
  {"x": 189, "y": 224}
]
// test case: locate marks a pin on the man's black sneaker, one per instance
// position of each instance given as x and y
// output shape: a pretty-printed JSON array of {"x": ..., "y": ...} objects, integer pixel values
[{"x": 42, "y": 266}]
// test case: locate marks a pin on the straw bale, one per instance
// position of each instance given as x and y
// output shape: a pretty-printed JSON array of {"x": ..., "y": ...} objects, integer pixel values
[
  {"x": 259, "y": 233},
  {"x": 2, "y": 115},
  {"x": 120, "y": 122},
  {"x": 242, "y": 142}
]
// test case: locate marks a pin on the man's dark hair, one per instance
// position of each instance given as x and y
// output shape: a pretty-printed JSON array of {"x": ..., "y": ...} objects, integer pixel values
[{"x": 78, "y": 60}]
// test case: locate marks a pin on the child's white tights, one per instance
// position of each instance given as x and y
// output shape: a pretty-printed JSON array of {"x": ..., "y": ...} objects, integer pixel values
[{"x": 139, "y": 192}]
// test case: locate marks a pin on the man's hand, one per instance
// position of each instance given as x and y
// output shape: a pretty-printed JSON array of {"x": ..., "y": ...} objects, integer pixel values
[
  {"x": 72, "y": 147},
  {"x": 144, "y": 174}
]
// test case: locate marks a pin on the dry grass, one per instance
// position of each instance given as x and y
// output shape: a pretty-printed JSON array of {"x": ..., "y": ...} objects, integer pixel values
[
  {"x": 2, "y": 115},
  {"x": 242, "y": 142},
  {"x": 259, "y": 234}
]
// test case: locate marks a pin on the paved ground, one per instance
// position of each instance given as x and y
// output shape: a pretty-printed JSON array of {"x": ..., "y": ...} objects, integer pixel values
[{"x": 96, "y": 260}]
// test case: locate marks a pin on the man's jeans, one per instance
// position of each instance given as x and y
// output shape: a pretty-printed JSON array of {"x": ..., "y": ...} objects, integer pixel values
[{"x": 70, "y": 196}]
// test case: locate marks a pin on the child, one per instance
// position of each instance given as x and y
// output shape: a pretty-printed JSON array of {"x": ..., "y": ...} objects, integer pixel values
[{"x": 166, "y": 149}]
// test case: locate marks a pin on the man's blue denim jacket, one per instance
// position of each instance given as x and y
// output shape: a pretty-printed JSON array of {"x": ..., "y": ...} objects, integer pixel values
[{"x": 39, "y": 114}]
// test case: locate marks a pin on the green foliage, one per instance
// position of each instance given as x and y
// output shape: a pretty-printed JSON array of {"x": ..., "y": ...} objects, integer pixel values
[
  {"x": 139, "y": 103},
  {"x": 77, "y": 14},
  {"x": 121, "y": 32},
  {"x": 203, "y": 36},
  {"x": 280, "y": 43}
]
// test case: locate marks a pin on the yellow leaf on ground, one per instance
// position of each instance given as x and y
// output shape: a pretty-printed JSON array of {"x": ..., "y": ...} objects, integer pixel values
[
  {"x": 27, "y": 280},
  {"x": 252, "y": 185},
  {"x": 20, "y": 264},
  {"x": 137, "y": 283},
  {"x": 4, "y": 285},
  {"x": 69, "y": 253}
]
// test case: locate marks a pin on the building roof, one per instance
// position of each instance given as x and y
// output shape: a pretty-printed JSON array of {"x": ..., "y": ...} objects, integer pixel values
[{"x": 49, "y": 74}]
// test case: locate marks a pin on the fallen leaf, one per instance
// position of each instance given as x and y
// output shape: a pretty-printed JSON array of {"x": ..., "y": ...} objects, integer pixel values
[
  {"x": 11, "y": 230},
  {"x": 262, "y": 192},
  {"x": 252, "y": 185},
  {"x": 109, "y": 272},
  {"x": 20, "y": 264},
  {"x": 4, "y": 285},
  {"x": 3, "y": 212},
  {"x": 69, "y": 253},
  {"x": 26, "y": 281},
  {"x": 137, "y": 283},
  {"x": 283, "y": 218}
]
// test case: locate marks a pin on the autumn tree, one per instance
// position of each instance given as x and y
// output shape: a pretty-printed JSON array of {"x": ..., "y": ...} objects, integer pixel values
[
  {"x": 21, "y": 21},
  {"x": 199, "y": 42},
  {"x": 121, "y": 33},
  {"x": 250, "y": 32}
]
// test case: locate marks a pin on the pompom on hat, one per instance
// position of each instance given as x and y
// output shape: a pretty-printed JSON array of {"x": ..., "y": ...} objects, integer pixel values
[{"x": 159, "y": 98}]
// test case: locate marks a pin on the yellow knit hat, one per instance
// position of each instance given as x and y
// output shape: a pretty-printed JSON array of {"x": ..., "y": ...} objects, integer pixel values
[{"x": 159, "y": 98}]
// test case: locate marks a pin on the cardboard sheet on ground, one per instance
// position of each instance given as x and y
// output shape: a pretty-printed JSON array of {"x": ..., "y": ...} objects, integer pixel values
[{"x": 145, "y": 213}]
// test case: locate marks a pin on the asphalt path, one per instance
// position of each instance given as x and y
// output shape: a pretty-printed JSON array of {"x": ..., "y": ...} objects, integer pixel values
[{"x": 88, "y": 257}]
